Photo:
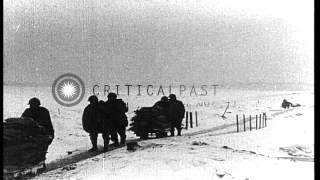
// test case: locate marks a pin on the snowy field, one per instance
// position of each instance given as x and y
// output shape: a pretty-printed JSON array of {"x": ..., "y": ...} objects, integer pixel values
[{"x": 282, "y": 150}]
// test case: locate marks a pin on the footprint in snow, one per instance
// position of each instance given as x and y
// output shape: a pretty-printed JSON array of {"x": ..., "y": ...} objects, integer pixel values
[
  {"x": 95, "y": 159},
  {"x": 69, "y": 167},
  {"x": 199, "y": 143},
  {"x": 221, "y": 174},
  {"x": 216, "y": 159}
]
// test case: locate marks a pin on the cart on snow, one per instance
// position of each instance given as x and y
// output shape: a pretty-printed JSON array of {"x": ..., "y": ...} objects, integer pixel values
[
  {"x": 150, "y": 120},
  {"x": 25, "y": 146}
]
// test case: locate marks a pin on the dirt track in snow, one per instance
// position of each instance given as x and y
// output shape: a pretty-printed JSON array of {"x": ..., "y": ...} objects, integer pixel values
[{"x": 84, "y": 154}]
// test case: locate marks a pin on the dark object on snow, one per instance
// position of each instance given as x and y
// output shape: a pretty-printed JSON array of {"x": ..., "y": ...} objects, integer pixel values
[
  {"x": 39, "y": 114},
  {"x": 176, "y": 114},
  {"x": 162, "y": 106},
  {"x": 286, "y": 104},
  {"x": 223, "y": 115},
  {"x": 199, "y": 143},
  {"x": 133, "y": 146},
  {"x": 150, "y": 120},
  {"x": 95, "y": 120},
  {"x": 25, "y": 145},
  {"x": 117, "y": 109}
]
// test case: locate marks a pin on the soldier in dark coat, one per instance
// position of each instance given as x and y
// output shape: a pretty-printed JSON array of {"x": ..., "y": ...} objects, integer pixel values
[
  {"x": 117, "y": 109},
  {"x": 95, "y": 121},
  {"x": 176, "y": 113},
  {"x": 40, "y": 115},
  {"x": 161, "y": 121},
  {"x": 162, "y": 105}
]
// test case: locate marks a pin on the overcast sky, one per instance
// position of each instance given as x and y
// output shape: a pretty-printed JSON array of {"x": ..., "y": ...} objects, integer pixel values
[{"x": 163, "y": 42}]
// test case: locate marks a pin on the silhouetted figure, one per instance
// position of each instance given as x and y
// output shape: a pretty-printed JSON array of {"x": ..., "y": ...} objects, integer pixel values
[
  {"x": 162, "y": 105},
  {"x": 117, "y": 109},
  {"x": 95, "y": 121},
  {"x": 176, "y": 113},
  {"x": 286, "y": 104},
  {"x": 40, "y": 115},
  {"x": 162, "y": 118}
]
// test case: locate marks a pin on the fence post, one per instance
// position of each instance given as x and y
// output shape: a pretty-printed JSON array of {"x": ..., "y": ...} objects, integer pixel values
[
  {"x": 196, "y": 119},
  {"x": 237, "y": 123},
  {"x": 256, "y": 122},
  {"x": 265, "y": 119},
  {"x": 191, "y": 123},
  {"x": 244, "y": 123},
  {"x": 187, "y": 115},
  {"x": 250, "y": 122},
  {"x": 260, "y": 121}
]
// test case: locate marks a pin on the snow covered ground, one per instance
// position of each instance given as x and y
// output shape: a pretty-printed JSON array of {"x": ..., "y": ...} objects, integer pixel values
[{"x": 282, "y": 150}]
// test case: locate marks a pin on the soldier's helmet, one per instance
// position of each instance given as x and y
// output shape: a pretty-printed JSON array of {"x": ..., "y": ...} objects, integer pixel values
[
  {"x": 164, "y": 99},
  {"x": 112, "y": 96},
  {"x": 172, "y": 97},
  {"x": 33, "y": 102},
  {"x": 93, "y": 99}
]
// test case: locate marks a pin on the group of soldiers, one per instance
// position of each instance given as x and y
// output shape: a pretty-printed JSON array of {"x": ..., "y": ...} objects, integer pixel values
[
  {"x": 108, "y": 118},
  {"x": 174, "y": 110}
]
